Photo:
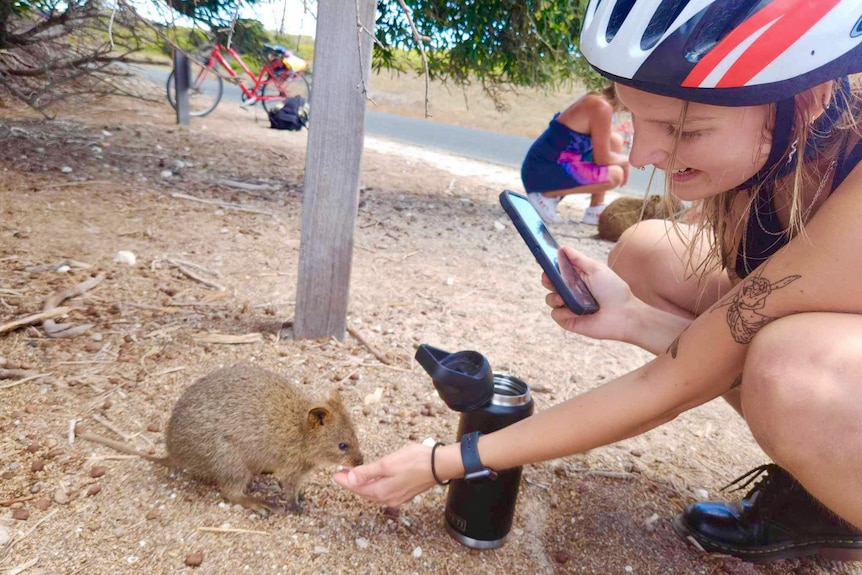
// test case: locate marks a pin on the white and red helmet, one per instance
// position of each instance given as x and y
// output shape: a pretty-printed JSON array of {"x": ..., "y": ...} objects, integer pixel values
[{"x": 723, "y": 52}]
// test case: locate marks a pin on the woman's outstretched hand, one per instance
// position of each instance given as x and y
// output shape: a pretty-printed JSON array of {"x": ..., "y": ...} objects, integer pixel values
[
  {"x": 614, "y": 296},
  {"x": 392, "y": 480}
]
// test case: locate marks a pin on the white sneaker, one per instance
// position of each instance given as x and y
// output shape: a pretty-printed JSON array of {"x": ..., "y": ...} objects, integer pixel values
[
  {"x": 591, "y": 215},
  {"x": 547, "y": 207}
]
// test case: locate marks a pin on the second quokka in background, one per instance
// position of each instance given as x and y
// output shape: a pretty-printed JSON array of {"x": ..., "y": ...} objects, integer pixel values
[{"x": 625, "y": 212}]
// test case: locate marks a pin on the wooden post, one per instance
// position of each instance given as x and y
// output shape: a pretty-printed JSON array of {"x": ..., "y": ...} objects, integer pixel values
[
  {"x": 181, "y": 85},
  {"x": 342, "y": 64}
]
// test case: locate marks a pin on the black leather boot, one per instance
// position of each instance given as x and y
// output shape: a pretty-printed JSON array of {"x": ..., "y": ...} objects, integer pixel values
[{"x": 777, "y": 519}]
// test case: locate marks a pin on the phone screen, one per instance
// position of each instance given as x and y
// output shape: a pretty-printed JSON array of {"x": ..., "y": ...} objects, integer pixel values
[{"x": 566, "y": 279}]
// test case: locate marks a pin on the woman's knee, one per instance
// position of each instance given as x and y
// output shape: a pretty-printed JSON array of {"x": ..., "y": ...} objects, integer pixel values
[
  {"x": 791, "y": 383},
  {"x": 638, "y": 251}
]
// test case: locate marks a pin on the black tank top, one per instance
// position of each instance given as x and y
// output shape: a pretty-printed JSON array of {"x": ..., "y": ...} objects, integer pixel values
[{"x": 764, "y": 235}]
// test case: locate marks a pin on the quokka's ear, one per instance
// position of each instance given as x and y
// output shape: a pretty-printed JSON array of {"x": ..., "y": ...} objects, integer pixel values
[{"x": 319, "y": 416}]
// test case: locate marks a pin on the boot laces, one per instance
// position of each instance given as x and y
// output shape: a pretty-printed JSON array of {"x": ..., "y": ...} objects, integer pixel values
[{"x": 773, "y": 484}]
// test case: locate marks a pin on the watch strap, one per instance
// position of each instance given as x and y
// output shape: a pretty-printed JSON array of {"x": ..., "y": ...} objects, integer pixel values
[{"x": 473, "y": 468}]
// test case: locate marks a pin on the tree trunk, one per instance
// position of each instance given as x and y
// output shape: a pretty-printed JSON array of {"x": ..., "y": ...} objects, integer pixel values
[
  {"x": 342, "y": 65},
  {"x": 5, "y": 16}
]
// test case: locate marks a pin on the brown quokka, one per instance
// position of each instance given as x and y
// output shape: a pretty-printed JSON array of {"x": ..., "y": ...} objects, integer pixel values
[
  {"x": 622, "y": 213},
  {"x": 243, "y": 421}
]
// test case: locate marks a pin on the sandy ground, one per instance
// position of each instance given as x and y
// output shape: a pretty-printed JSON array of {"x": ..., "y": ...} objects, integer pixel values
[{"x": 435, "y": 261}]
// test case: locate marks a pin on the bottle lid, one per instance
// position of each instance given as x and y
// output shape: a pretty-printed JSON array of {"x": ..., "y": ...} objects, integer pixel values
[{"x": 463, "y": 379}]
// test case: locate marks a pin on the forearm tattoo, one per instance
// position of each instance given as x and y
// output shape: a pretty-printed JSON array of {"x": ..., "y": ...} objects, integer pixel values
[{"x": 745, "y": 307}]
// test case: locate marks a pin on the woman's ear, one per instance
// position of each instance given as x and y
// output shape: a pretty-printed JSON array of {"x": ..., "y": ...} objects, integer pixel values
[{"x": 815, "y": 101}]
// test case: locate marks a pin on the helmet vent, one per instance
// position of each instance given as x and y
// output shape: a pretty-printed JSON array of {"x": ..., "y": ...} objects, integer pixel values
[
  {"x": 718, "y": 21},
  {"x": 661, "y": 20},
  {"x": 618, "y": 17}
]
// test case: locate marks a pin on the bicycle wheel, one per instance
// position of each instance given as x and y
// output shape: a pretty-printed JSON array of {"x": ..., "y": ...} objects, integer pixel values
[
  {"x": 205, "y": 90},
  {"x": 274, "y": 97}
]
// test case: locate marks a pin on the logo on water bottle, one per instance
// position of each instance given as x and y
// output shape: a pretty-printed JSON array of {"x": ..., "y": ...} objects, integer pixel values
[{"x": 455, "y": 520}]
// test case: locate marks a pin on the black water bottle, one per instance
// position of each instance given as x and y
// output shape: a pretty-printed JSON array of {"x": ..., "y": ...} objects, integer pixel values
[{"x": 479, "y": 512}]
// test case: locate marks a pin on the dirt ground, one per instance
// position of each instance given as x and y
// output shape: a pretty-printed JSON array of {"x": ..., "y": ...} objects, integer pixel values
[{"x": 435, "y": 262}]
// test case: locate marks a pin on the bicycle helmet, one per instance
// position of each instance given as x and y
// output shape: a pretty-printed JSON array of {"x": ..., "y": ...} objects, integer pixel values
[
  {"x": 727, "y": 53},
  {"x": 723, "y": 52}
]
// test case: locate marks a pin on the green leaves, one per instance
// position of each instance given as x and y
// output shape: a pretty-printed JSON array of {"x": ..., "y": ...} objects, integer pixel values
[{"x": 520, "y": 43}]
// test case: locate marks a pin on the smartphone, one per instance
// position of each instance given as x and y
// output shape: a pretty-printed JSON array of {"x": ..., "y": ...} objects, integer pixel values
[{"x": 566, "y": 279}]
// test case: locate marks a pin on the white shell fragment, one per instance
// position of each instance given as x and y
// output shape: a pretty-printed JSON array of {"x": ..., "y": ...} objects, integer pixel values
[{"x": 125, "y": 257}]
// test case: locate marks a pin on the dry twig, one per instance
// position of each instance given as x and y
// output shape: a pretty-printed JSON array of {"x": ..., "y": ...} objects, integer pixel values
[
  {"x": 190, "y": 274},
  {"x": 107, "y": 424},
  {"x": 8, "y": 502},
  {"x": 229, "y": 339},
  {"x": 35, "y": 318},
  {"x": 226, "y": 205},
  {"x": 22, "y": 567},
  {"x": 22, "y": 380},
  {"x": 227, "y": 530},
  {"x": 420, "y": 42},
  {"x": 192, "y": 265},
  {"x": 382, "y": 358},
  {"x": 54, "y": 329}
]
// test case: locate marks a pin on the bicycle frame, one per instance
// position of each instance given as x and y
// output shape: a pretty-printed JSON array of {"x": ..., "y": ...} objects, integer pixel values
[{"x": 267, "y": 74}]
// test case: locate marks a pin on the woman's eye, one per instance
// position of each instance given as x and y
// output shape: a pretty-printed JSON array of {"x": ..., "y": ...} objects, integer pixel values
[{"x": 683, "y": 136}]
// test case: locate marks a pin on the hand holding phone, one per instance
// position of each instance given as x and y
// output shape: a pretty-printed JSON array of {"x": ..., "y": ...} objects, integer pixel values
[{"x": 566, "y": 279}]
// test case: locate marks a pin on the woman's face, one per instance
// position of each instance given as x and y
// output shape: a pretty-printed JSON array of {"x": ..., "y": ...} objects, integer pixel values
[{"x": 719, "y": 147}]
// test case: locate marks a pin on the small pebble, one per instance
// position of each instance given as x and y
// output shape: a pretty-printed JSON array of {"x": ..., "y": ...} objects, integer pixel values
[
  {"x": 66, "y": 170},
  {"x": 20, "y": 514},
  {"x": 151, "y": 514},
  {"x": 61, "y": 497},
  {"x": 701, "y": 494},
  {"x": 166, "y": 173},
  {"x": 320, "y": 550},
  {"x": 94, "y": 490},
  {"x": 5, "y": 537},
  {"x": 125, "y": 257},
  {"x": 33, "y": 447},
  {"x": 562, "y": 557},
  {"x": 154, "y": 427},
  {"x": 42, "y": 504},
  {"x": 650, "y": 524},
  {"x": 629, "y": 569},
  {"x": 417, "y": 552},
  {"x": 97, "y": 471},
  {"x": 362, "y": 543},
  {"x": 37, "y": 465},
  {"x": 195, "y": 559}
]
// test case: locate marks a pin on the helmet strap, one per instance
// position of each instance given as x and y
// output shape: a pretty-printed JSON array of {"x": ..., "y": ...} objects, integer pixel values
[{"x": 779, "y": 155}]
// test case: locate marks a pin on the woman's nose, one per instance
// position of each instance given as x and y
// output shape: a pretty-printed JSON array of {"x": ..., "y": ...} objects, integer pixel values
[{"x": 646, "y": 150}]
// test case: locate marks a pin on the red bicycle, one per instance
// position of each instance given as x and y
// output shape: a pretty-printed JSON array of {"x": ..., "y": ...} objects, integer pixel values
[{"x": 282, "y": 76}]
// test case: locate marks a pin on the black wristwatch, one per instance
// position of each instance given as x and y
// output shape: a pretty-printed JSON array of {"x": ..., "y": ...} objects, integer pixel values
[{"x": 473, "y": 468}]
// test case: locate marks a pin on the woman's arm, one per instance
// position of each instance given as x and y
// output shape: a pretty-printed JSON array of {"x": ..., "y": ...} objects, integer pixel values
[
  {"x": 601, "y": 129},
  {"x": 820, "y": 272}
]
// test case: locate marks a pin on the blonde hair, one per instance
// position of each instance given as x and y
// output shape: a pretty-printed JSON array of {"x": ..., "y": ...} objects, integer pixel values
[{"x": 715, "y": 231}]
